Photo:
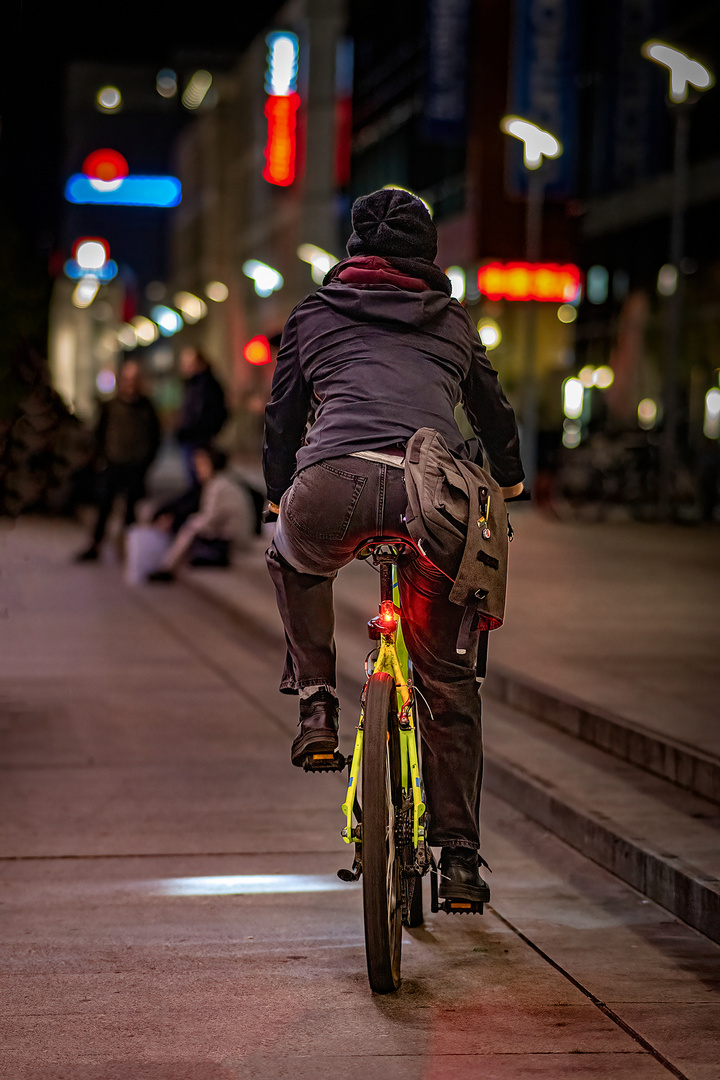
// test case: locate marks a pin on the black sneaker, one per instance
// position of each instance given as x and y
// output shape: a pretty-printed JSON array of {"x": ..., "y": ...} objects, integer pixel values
[
  {"x": 459, "y": 877},
  {"x": 318, "y": 727}
]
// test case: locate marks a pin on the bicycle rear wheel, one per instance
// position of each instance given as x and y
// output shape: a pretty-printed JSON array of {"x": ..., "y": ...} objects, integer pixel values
[{"x": 382, "y": 798}]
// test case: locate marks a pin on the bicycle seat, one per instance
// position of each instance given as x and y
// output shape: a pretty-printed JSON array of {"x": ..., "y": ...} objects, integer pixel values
[{"x": 385, "y": 548}]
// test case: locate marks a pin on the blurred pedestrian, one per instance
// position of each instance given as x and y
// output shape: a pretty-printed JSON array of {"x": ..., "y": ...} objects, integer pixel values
[
  {"x": 224, "y": 521},
  {"x": 127, "y": 439},
  {"x": 202, "y": 412}
]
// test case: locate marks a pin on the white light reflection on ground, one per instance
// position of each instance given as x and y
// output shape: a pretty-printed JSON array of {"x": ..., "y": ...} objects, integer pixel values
[{"x": 246, "y": 884}]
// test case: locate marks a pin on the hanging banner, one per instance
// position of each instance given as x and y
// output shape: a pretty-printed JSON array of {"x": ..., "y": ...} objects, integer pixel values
[
  {"x": 447, "y": 36},
  {"x": 543, "y": 89}
]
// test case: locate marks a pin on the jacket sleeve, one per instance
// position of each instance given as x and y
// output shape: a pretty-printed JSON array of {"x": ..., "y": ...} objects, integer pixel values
[
  {"x": 285, "y": 416},
  {"x": 492, "y": 417}
]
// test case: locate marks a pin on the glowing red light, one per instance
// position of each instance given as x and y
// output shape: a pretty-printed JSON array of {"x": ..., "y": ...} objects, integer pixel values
[
  {"x": 105, "y": 165},
  {"x": 257, "y": 350},
  {"x": 281, "y": 113},
  {"x": 551, "y": 282}
]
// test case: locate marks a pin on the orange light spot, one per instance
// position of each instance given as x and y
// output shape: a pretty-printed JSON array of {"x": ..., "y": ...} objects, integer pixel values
[{"x": 257, "y": 350}]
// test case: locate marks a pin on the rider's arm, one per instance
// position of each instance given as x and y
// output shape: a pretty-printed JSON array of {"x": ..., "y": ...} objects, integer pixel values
[
  {"x": 492, "y": 417},
  {"x": 285, "y": 416}
]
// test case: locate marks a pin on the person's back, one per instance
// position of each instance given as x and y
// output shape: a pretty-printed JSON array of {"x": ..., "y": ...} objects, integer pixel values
[{"x": 377, "y": 353}]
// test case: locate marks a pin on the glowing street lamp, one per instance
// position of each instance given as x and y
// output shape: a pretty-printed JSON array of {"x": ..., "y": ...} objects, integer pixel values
[
  {"x": 684, "y": 72},
  {"x": 537, "y": 143}
]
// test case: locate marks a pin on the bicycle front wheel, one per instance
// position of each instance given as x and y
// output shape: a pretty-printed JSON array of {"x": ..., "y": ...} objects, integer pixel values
[{"x": 382, "y": 797}]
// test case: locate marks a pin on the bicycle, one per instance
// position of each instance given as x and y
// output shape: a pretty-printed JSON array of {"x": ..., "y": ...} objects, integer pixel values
[{"x": 390, "y": 832}]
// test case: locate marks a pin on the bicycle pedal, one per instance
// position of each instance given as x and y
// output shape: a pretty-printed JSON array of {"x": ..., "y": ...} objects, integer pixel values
[
  {"x": 324, "y": 762},
  {"x": 461, "y": 907},
  {"x": 349, "y": 875}
]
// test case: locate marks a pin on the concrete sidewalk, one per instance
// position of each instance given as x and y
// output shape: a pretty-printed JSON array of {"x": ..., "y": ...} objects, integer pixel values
[{"x": 170, "y": 904}]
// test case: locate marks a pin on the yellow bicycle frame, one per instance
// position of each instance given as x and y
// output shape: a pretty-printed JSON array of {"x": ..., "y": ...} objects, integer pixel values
[{"x": 393, "y": 659}]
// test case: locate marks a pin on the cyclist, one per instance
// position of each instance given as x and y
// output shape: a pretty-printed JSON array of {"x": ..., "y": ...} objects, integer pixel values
[{"x": 379, "y": 351}]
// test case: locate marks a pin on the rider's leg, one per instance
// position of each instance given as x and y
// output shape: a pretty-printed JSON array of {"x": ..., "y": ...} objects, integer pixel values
[
  {"x": 452, "y": 735},
  {"x": 305, "y": 603}
]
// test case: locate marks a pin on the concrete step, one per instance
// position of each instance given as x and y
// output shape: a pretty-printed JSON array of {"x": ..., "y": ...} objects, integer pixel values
[
  {"x": 661, "y": 839},
  {"x": 671, "y": 759}
]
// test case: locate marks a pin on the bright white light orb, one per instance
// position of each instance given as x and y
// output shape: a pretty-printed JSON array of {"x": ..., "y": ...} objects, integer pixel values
[
  {"x": 109, "y": 98},
  {"x": 266, "y": 279},
  {"x": 146, "y": 331},
  {"x": 217, "y": 291},
  {"x": 684, "y": 72},
  {"x": 537, "y": 143},
  {"x": 281, "y": 79},
  {"x": 490, "y": 334},
  {"x": 169, "y": 322},
  {"x": 85, "y": 292},
  {"x": 457, "y": 281},
  {"x": 91, "y": 255},
  {"x": 191, "y": 306},
  {"x": 711, "y": 424},
  {"x": 573, "y": 394}
]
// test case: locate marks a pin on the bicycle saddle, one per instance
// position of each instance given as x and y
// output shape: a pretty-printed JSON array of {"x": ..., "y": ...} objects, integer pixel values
[{"x": 385, "y": 548}]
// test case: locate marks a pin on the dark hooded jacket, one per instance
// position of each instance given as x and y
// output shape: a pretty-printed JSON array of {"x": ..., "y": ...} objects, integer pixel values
[{"x": 373, "y": 361}]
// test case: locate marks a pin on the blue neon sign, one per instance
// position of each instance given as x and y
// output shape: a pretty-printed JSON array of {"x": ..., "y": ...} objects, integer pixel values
[{"x": 163, "y": 191}]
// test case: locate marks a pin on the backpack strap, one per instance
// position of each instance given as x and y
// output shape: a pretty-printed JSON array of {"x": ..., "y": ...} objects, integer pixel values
[{"x": 467, "y": 626}]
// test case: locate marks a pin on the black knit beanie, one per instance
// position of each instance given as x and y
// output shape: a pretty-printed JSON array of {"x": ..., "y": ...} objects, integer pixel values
[{"x": 392, "y": 222}]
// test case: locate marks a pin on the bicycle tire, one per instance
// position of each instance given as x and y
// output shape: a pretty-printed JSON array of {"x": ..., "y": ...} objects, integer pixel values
[{"x": 382, "y": 795}]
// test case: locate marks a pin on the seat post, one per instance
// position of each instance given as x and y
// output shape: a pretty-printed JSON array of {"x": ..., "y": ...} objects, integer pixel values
[{"x": 386, "y": 585}]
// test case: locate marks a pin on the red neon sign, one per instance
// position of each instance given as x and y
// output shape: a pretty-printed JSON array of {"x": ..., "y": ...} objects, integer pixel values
[
  {"x": 550, "y": 282},
  {"x": 257, "y": 350},
  {"x": 281, "y": 113}
]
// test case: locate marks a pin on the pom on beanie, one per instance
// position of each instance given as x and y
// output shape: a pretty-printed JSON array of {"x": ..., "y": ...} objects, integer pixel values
[{"x": 392, "y": 222}]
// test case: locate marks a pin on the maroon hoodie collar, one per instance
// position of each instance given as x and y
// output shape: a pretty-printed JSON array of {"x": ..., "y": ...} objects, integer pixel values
[{"x": 372, "y": 270}]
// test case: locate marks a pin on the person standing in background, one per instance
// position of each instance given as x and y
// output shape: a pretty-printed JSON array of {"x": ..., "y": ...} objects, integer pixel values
[
  {"x": 202, "y": 412},
  {"x": 126, "y": 442}
]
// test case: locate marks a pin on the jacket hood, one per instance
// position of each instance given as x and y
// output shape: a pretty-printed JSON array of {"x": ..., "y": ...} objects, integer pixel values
[{"x": 383, "y": 303}]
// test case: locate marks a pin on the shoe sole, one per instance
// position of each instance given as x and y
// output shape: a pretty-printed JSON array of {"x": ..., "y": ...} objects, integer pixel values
[
  {"x": 312, "y": 743},
  {"x": 464, "y": 893}
]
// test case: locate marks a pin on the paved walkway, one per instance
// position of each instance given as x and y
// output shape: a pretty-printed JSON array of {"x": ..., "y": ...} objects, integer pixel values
[
  {"x": 625, "y": 616},
  {"x": 170, "y": 905}
]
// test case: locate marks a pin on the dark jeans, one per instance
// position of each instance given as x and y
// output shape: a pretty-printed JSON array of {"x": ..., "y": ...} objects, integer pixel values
[
  {"x": 325, "y": 516},
  {"x": 127, "y": 480}
]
